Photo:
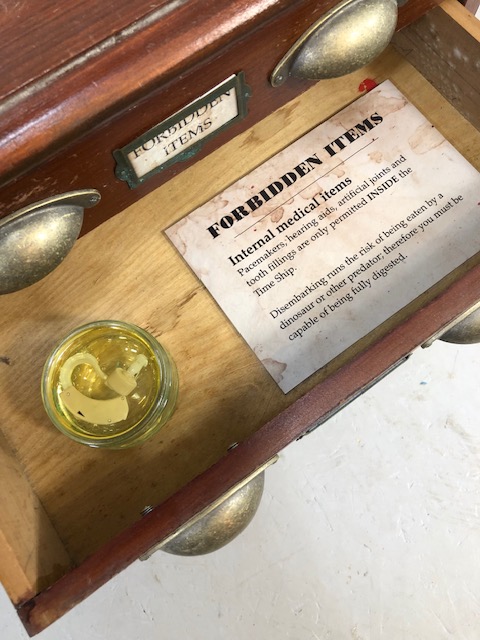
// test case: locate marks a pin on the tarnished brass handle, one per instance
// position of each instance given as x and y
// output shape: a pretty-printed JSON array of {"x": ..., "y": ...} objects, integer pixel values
[
  {"x": 219, "y": 523},
  {"x": 466, "y": 330},
  {"x": 35, "y": 239},
  {"x": 347, "y": 37},
  {"x": 463, "y": 330}
]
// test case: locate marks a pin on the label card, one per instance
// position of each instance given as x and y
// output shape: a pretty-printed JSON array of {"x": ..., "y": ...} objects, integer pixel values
[
  {"x": 183, "y": 134},
  {"x": 333, "y": 235}
]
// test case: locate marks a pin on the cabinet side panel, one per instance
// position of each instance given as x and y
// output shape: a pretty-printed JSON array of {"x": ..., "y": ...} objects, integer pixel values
[
  {"x": 443, "y": 46},
  {"x": 31, "y": 554}
]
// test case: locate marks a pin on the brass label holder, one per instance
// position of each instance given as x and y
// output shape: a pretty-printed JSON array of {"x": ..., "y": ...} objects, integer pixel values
[{"x": 182, "y": 135}]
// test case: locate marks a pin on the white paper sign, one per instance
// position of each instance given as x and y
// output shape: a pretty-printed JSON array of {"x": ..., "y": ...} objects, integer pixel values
[
  {"x": 187, "y": 131},
  {"x": 330, "y": 237}
]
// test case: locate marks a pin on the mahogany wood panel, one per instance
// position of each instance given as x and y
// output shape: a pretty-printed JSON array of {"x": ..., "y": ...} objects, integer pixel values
[
  {"x": 58, "y": 133},
  {"x": 37, "y": 36},
  {"x": 307, "y": 412},
  {"x": 127, "y": 269}
]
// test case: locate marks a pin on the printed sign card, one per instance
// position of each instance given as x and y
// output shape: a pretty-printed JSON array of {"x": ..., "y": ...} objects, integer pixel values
[{"x": 330, "y": 237}]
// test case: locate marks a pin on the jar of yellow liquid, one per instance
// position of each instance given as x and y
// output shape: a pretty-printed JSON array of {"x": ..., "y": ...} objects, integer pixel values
[{"x": 109, "y": 384}]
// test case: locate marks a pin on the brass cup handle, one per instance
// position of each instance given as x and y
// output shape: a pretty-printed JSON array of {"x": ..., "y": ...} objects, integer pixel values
[
  {"x": 462, "y": 330},
  {"x": 466, "y": 329},
  {"x": 219, "y": 523},
  {"x": 347, "y": 37},
  {"x": 35, "y": 239}
]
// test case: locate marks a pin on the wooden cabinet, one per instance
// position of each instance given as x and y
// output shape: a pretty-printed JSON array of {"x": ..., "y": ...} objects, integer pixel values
[
  {"x": 88, "y": 79},
  {"x": 71, "y": 516}
]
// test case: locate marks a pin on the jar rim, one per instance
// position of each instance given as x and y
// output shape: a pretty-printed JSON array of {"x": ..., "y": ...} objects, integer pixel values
[{"x": 168, "y": 385}]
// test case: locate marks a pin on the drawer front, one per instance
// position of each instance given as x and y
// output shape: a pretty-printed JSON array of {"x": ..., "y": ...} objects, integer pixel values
[{"x": 60, "y": 135}]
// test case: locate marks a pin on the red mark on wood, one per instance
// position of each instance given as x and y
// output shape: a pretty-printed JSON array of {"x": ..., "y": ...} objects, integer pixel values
[{"x": 367, "y": 85}]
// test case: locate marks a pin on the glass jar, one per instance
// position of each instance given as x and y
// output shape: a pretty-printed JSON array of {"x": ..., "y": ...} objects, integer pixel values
[{"x": 109, "y": 384}]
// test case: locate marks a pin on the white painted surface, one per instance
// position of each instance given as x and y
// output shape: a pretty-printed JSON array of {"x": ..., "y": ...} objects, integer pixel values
[{"x": 369, "y": 529}]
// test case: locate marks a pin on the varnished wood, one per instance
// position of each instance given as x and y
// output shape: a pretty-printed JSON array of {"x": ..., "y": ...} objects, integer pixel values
[
  {"x": 462, "y": 17},
  {"x": 59, "y": 131},
  {"x": 119, "y": 75},
  {"x": 32, "y": 555},
  {"x": 38, "y": 36}
]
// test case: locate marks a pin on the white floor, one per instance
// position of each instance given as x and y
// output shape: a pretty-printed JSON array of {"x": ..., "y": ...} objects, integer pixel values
[{"x": 369, "y": 529}]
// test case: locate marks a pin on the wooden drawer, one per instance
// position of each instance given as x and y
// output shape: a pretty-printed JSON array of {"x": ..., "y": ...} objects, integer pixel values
[
  {"x": 65, "y": 109},
  {"x": 70, "y": 516}
]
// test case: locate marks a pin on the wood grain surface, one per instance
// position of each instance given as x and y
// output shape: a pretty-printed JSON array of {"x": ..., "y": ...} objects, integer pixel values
[
  {"x": 453, "y": 69},
  {"x": 58, "y": 132},
  {"x": 325, "y": 399},
  {"x": 32, "y": 555}
]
